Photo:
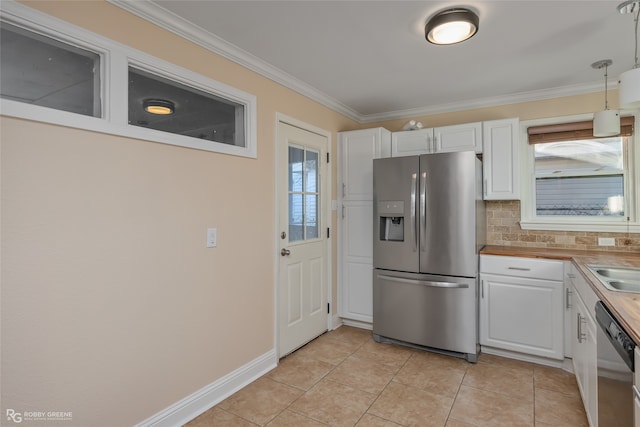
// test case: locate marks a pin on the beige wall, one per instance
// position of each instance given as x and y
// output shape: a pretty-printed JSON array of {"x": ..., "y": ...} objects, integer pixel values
[{"x": 112, "y": 307}]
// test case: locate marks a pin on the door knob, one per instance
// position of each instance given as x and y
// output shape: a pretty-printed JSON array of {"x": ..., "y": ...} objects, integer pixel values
[{"x": 285, "y": 252}]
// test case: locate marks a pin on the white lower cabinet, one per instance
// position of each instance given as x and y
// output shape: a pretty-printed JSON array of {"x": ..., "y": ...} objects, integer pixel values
[
  {"x": 584, "y": 346},
  {"x": 522, "y": 305}
]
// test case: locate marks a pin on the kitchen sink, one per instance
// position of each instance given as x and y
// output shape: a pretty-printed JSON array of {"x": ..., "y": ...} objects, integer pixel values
[{"x": 625, "y": 279}]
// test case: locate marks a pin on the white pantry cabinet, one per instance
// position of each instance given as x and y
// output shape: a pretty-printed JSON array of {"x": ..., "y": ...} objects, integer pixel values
[
  {"x": 465, "y": 137},
  {"x": 584, "y": 346},
  {"x": 355, "y": 219},
  {"x": 500, "y": 159},
  {"x": 522, "y": 305}
]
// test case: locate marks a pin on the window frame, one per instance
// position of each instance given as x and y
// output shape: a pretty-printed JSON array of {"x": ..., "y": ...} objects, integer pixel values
[
  {"x": 531, "y": 221},
  {"x": 115, "y": 59}
]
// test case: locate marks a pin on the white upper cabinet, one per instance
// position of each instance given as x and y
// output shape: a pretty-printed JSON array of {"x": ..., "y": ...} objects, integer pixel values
[
  {"x": 358, "y": 149},
  {"x": 501, "y": 159},
  {"x": 465, "y": 137},
  {"x": 411, "y": 142}
]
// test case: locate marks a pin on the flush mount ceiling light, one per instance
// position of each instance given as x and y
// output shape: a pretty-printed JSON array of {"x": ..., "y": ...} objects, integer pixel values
[
  {"x": 606, "y": 122},
  {"x": 629, "y": 89},
  {"x": 158, "y": 106},
  {"x": 451, "y": 26}
]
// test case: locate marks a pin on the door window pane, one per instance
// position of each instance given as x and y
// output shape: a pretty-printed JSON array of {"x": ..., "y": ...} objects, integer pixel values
[
  {"x": 296, "y": 217},
  {"x": 303, "y": 194},
  {"x": 191, "y": 112},
  {"x": 39, "y": 70},
  {"x": 580, "y": 178},
  {"x": 311, "y": 210}
]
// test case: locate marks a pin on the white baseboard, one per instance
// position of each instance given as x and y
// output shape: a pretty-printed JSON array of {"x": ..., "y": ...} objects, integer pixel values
[
  {"x": 336, "y": 322},
  {"x": 357, "y": 324},
  {"x": 207, "y": 397},
  {"x": 525, "y": 357}
]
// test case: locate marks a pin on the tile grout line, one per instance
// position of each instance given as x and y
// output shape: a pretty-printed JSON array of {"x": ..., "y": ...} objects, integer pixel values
[
  {"x": 382, "y": 391},
  {"x": 304, "y": 392}
]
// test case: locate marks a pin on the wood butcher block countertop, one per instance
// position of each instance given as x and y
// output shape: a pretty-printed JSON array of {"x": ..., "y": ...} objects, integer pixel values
[{"x": 624, "y": 305}]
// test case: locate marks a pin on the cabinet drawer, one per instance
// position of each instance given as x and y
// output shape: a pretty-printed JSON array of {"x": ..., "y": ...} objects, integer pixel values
[{"x": 522, "y": 267}]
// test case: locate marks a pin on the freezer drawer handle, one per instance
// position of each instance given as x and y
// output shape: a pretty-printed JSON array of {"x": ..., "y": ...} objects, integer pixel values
[{"x": 424, "y": 282}]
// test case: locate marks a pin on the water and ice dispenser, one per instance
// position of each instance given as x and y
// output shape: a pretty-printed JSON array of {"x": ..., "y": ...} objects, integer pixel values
[{"x": 391, "y": 219}]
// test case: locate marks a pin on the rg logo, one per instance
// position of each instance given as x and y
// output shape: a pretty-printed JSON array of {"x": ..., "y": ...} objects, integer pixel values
[{"x": 14, "y": 416}]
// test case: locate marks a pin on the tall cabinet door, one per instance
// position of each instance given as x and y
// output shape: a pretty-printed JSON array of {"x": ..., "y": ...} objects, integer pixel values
[
  {"x": 501, "y": 160},
  {"x": 355, "y": 219}
]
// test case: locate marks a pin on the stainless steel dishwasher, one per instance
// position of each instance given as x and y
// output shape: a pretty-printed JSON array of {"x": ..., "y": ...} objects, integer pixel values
[{"x": 615, "y": 371}]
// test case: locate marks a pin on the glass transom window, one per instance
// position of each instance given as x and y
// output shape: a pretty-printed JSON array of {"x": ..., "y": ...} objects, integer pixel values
[
  {"x": 40, "y": 70},
  {"x": 162, "y": 104}
]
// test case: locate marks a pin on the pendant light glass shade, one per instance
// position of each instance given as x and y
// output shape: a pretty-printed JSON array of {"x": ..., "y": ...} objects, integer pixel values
[
  {"x": 606, "y": 123},
  {"x": 629, "y": 89}
]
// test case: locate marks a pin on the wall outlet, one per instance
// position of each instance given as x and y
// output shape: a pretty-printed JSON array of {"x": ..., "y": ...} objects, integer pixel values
[
  {"x": 606, "y": 241},
  {"x": 212, "y": 237}
]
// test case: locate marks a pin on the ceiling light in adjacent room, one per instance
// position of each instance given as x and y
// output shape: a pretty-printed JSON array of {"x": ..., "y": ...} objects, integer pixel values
[
  {"x": 451, "y": 26},
  {"x": 158, "y": 106}
]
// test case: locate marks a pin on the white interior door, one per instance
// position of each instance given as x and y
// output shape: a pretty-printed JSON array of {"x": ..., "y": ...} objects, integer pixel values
[{"x": 302, "y": 283}]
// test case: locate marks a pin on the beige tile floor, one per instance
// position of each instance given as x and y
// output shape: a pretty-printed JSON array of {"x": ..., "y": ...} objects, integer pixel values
[{"x": 344, "y": 378}]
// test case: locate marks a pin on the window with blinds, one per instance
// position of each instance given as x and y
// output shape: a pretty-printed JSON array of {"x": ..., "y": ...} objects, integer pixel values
[{"x": 577, "y": 176}]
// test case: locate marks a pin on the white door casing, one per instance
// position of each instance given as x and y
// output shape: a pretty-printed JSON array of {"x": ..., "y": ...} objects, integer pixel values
[{"x": 302, "y": 183}]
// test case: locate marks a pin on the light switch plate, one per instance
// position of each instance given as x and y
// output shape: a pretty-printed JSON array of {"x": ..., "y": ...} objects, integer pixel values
[
  {"x": 606, "y": 241},
  {"x": 212, "y": 237}
]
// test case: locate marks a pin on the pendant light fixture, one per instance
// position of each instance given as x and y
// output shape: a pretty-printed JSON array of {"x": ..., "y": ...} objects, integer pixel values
[
  {"x": 606, "y": 122},
  {"x": 629, "y": 89},
  {"x": 451, "y": 26}
]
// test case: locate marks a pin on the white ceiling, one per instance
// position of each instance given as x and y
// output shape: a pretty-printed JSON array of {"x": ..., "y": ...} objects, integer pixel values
[{"x": 369, "y": 59}]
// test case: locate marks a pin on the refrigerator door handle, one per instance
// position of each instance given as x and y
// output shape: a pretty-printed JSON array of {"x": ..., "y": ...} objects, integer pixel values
[
  {"x": 423, "y": 282},
  {"x": 414, "y": 229},
  {"x": 423, "y": 210}
]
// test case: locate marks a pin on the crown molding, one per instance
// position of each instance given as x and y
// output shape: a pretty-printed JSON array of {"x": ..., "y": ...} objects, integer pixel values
[
  {"x": 495, "y": 101},
  {"x": 171, "y": 22}
]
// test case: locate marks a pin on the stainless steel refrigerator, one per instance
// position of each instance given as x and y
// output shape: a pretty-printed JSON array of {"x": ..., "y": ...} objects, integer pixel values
[{"x": 429, "y": 226}]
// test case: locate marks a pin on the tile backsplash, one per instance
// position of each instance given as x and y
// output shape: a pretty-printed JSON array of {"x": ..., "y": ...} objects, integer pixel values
[{"x": 503, "y": 228}]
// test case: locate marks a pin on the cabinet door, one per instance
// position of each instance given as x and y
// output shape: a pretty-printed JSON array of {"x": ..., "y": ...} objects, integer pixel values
[
  {"x": 523, "y": 315},
  {"x": 358, "y": 149},
  {"x": 501, "y": 160},
  {"x": 357, "y": 262},
  {"x": 466, "y": 137},
  {"x": 585, "y": 356},
  {"x": 411, "y": 142}
]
